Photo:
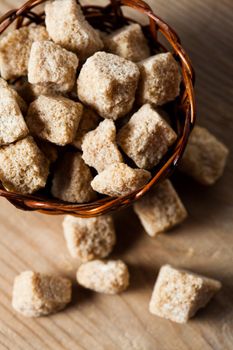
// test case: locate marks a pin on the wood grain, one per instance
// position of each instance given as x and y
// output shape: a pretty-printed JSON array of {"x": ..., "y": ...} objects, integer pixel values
[{"x": 204, "y": 243}]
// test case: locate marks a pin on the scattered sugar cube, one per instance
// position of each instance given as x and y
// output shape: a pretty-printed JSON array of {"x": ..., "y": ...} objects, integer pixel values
[
  {"x": 68, "y": 27},
  {"x": 146, "y": 137},
  {"x": 91, "y": 238},
  {"x": 15, "y": 49},
  {"x": 178, "y": 294},
  {"x": 54, "y": 119},
  {"x": 160, "y": 79},
  {"x": 160, "y": 209},
  {"x": 37, "y": 295},
  {"x": 12, "y": 124},
  {"x": 72, "y": 179},
  {"x": 128, "y": 42},
  {"x": 23, "y": 167},
  {"x": 49, "y": 64},
  {"x": 107, "y": 83},
  {"x": 205, "y": 157},
  {"x": 110, "y": 277},
  {"x": 99, "y": 146},
  {"x": 119, "y": 179}
]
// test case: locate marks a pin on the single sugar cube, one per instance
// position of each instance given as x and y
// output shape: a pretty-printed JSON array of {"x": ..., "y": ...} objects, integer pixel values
[
  {"x": 178, "y": 294},
  {"x": 12, "y": 124},
  {"x": 23, "y": 167},
  {"x": 72, "y": 179},
  {"x": 99, "y": 146},
  {"x": 15, "y": 50},
  {"x": 160, "y": 79},
  {"x": 68, "y": 27},
  {"x": 109, "y": 277},
  {"x": 119, "y": 180},
  {"x": 54, "y": 119},
  {"x": 160, "y": 209},
  {"x": 90, "y": 238},
  {"x": 205, "y": 157},
  {"x": 50, "y": 64},
  {"x": 107, "y": 83},
  {"x": 128, "y": 42},
  {"x": 146, "y": 137},
  {"x": 35, "y": 294}
]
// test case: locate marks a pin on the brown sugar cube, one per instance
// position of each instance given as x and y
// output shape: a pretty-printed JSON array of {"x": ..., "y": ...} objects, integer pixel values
[
  {"x": 15, "y": 49},
  {"x": 109, "y": 277},
  {"x": 23, "y": 167},
  {"x": 128, "y": 42},
  {"x": 205, "y": 157},
  {"x": 49, "y": 64},
  {"x": 160, "y": 79},
  {"x": 54, "y": 119},
  {"x": 160, "y": 209},
  {"x": 89, "y": 121},
  {"x": 37, "y": 295},
  {"x": 72, "y": 179},
  {"x": 119, "y": 180},
  {"x": 146, "y": 137},
  {"x": 68, "y": 27},
  {"x": 107, "y": 83},
  {"x": 91, "y": 238},
  {"x": 99, "y": 146},
  {"x": 178, "y": 294}
]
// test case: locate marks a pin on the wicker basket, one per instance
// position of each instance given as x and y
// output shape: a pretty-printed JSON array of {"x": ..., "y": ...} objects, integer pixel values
[{"x": 107, "y": 19}]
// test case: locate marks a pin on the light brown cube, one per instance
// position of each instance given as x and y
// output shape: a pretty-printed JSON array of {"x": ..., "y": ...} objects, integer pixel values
[
  {"x": 15, "y": 50},
  {"x": 99, "y": 146},
  {"x": 35, "y": 294},
  {"x": 12, "y": 124},
  {"x": 205, "y": 157},
  {"x": 146, "y": 137},
  {"x": 160, "y": 79},
  {"x": 90, "y": 238},
  {"x": 160, "y": 209},
  {"x": 51, "y": 65},
  {"x": 68, "y": 27},
  {"x": 119, "y": 180},
  {"x": 23, "y": 167},
  {"x": 54, "y": 119},
  {"x": 109, "y": 277},
  {"x": 128, "y": 42},
  {"x": 72, "y": 179},
  {"x": 107, "y": 83},
  {"x": 178, "y": 294}
]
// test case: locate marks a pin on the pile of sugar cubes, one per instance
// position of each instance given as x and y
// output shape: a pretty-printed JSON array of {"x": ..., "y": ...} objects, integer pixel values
[{"x": 84, "y": 109}]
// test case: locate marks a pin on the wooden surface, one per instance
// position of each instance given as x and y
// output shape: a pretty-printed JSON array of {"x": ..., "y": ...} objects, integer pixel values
[{"x": 204, "y": 243}]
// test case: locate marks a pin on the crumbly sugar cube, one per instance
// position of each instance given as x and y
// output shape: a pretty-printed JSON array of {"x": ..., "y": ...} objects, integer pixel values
[
  {"x": 72, "y": 179},
  {"x": 205, "y": 157},
  {"x": 160, "y": 79},
  {"x": 54, "y": 119},
  {"x": 35, "y": 294},
  {"x": 107, "y": 83},
  {"x": 128, "y": 42},
  {"x": 178, "y": 294},
  {"x": 23, "y": 167},
  {"x": 146, "y": 137},
  {"x": 109, "y": 277},
  {"x": 15, "y": 49},
  {"x": 160, "y": 209},
  {"x": 68, "y": 27},
  {"x": 119, "y": 180},
  {"x": 89, "y": 121},
  {"x": 99, "y": 146},
  {"x": 90, "y": 238},
  {"x": 51, "y": 65}
]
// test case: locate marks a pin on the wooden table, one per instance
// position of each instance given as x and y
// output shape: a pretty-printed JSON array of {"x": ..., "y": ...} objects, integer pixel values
[{"x": 204, "y": 243}]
